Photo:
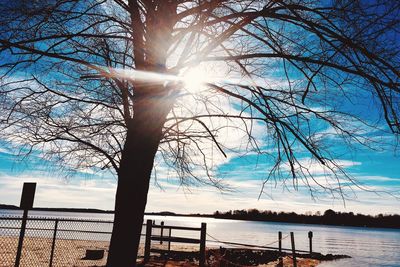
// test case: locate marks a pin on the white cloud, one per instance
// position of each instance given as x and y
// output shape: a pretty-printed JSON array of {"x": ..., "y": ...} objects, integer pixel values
[
  {"x": 4, "y": 150},
  {"x": 59, "y": 192},
  {"x": 99, "y": 193},
  {"x": 377, "y": 178},
  {"x": 207, "y": 201},
  {"x": 316, "y": 168}
]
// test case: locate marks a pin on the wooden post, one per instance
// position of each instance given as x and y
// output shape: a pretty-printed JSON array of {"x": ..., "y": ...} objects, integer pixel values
[
  {"x": 169, "y": 240},
  {"x": 147, "y": 244},
  {"x": 161, "y": 233},
  {"x": 293, "y": 249},
  {"x": 27, "y": 198},
  {"x": 280, "y": 260},
  {"x": 53, "y": 244},
  {"x": 280, "y": 241},
  {"x": 310, "y": 236},
  {"x": 202, "y": 258}
]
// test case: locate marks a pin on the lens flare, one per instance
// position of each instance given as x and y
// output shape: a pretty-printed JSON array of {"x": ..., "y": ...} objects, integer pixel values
[{"x": 195, "y": 79}]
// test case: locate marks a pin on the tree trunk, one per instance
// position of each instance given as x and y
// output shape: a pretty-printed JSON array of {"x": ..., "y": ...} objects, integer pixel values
[{"x": 142, "y": 140}]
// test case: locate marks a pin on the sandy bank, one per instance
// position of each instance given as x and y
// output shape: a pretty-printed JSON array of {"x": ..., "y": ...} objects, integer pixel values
[{"x": 68, "y": 252}]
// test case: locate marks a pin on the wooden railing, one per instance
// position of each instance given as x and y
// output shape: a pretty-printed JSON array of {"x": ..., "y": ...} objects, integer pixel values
[{"x": 172, "y": 239}]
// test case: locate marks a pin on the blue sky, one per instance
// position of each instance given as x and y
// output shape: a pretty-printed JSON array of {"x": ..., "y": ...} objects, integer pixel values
[
  {"x": 376, "y": 169},
  {"x": 379, "y": 171}
]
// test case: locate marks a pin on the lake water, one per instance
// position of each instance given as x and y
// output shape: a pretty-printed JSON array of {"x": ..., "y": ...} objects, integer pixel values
[{"x": 366, "y": 246}]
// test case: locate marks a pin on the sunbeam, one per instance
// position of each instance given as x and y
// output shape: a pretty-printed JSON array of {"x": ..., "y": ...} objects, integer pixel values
[{"x": 193, "y": 80}]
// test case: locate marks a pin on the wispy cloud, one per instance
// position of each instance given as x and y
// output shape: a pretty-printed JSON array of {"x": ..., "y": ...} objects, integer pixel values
[
  {"x": 59, "y": 192},
  {"x": 99, "y": 193}
]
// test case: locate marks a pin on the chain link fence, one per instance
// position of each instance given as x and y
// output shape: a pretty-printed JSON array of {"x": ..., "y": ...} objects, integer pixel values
[
  {"x": 9, "y": 233},
  {"x": 55, "y": 242}
]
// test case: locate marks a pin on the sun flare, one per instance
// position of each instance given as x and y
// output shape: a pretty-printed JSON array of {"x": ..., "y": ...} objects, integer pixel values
[{"x": 195, "y": 79}]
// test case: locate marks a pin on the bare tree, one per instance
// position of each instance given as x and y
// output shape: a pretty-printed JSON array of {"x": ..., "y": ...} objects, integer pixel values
[{"x": 101, "y": 84}]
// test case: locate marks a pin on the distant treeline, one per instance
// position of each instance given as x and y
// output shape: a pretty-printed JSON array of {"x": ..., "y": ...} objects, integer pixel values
[
  {"x": 84, "y": 210},
  {"x": 329, "y": 217}
]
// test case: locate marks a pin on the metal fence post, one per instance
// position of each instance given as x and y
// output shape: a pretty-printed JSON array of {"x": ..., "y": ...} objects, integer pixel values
[
  {"x": 310, "y": 236},
  {"x": 147, "y": 244},
  {"x": 53, "y": 244},
  {"x": 293, "y": 249},
  {"x": 21, "y": 238},
  {"x": 202, "y": 258}
]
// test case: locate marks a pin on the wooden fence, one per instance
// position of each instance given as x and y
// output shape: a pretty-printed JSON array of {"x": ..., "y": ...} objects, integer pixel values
[{"x": 201, "y": 241}]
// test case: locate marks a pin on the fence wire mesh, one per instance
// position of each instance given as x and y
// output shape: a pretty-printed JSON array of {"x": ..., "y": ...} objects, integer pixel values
[
  {"x": 55, "y": 242},
  {"x": 9, "y": 233},
  {"x": 37, "y": 243}
]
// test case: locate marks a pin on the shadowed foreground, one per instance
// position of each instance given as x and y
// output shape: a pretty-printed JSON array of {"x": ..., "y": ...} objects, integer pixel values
[
  {"x": 241, "y": 257},
  {"x": 69, "y": 253}
]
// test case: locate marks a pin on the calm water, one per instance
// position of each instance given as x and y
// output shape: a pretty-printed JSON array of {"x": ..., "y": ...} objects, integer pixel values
[{"x": 367, "y": 246}]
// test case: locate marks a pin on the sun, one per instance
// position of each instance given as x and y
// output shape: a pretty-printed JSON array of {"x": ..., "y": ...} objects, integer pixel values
[{"x": 195, "y": 79}]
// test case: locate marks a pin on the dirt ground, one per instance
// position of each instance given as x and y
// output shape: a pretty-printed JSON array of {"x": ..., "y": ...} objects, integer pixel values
[
  {"x": 67, "y": 252},
  {"x": 37, "y": 252}
]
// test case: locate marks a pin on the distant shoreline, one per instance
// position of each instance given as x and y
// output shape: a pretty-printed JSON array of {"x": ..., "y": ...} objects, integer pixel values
[
  {"x": 13, "y": 207},
  {"x": 328, "y": 218}
]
